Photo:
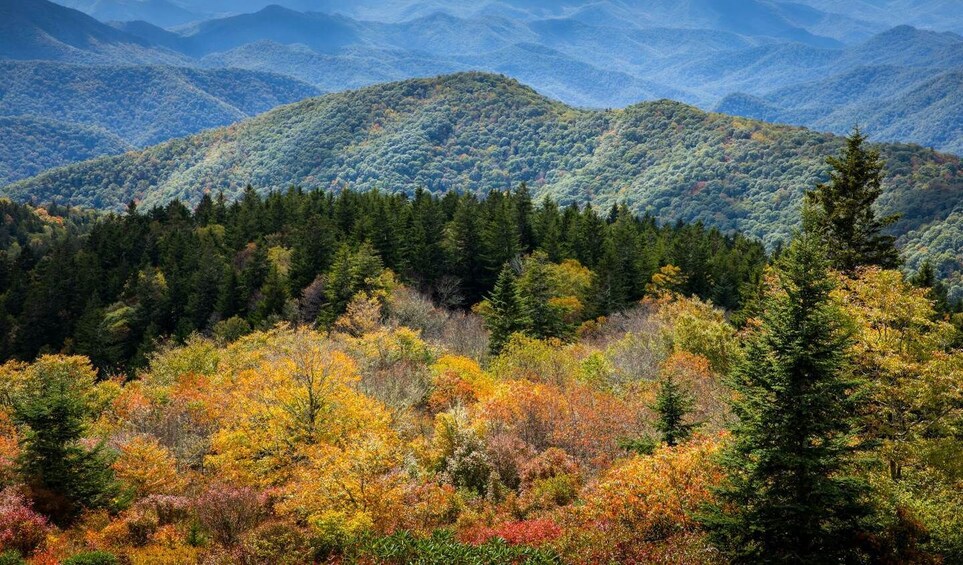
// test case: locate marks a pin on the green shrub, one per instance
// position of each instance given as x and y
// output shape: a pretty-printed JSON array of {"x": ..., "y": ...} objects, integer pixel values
[
  {"x": 12, "y": 557},
  {"x": 92, "y": 558}
]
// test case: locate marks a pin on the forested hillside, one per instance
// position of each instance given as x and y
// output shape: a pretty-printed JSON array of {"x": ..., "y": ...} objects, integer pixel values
[
  {"x": 477, "y": 132},
  {"x": 142, "y": 105},
  {"x": 774, "y": 60},
  {"x": 109, "y": 292},
  {"x": 29, "y": 146},
  {"x": 37, "y": 29},
  {"x": 362, "y": 377}
]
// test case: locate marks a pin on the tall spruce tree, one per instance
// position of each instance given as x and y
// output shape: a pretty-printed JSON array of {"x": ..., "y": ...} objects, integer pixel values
[
  {"x": 673, "y": 403},
  {"x": 507, "y": 313},
  {"x": 841, "y": 212},
  {"x": 64, "y": 476},
  {"x": 788, "y": 497},
  {"x": 535, "y": 289}
]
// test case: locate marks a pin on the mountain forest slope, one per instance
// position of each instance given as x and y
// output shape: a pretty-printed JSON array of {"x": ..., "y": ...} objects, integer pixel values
[
  {"x": 476, "y": 132},
  {"x": 30, "y": 145},
  {"x": 764, "y": 59},
  {"x": 137, "y": 105}
]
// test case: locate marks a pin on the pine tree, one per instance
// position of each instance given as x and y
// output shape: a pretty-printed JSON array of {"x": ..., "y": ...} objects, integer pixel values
[
  {"x": 506, "y": 314},
  {"x": 535, "y": 290},
  {"x": 522, "y": 200},
  {"x": 500, "y": 240},
  {"x": 673, "y": 403},
  {"x": 464, "y": 249},
  {"x": 926, "y": 278},
  {"x": 64, "y": 477},
  {"x": 841, "y": 212},
  {"x": 787, "y": 497},
  {"x": 548, "y": 230}
]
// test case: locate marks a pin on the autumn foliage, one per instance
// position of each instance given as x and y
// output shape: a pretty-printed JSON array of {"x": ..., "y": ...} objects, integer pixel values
[{"x": 378, "y": 442}]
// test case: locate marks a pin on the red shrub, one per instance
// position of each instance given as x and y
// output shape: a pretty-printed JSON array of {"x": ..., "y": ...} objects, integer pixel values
[
  {"x": 21, "y": 528},
  {"x": 526, "y": 532},
  {"x": 228, "y": 512}
]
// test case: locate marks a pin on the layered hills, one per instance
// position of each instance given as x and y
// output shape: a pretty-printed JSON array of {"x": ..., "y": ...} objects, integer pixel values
[{"x": 478, "y": 132}]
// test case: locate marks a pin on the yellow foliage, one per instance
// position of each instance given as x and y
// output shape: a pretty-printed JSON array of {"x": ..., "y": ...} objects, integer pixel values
[
  {"x": 666, "y": 282},
  {"x": 691, "y": 325},
  {"x": 198, "y": 356},
  {"x": 148, "y": 468},
  {"x": 458, "y": 380},
  {"x": 9, "y": 447},
  {"x": 360, "y": 481},
  {"x": 901, "y": 348},
  {"x": 363, "y": 315},
  {"x": 654, "y": 496},
  {"x": 297, "y": 395},
  {"x": 547, "y": 361},
  {"x": 162, "y": 554}
]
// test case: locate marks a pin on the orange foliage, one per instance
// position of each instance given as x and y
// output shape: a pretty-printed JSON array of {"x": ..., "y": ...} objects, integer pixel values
[
  {"x": 458, "y": 381},
  {"x": 648, "y": 500},
  {"x": 9, "y": 446},
  {"x": 583, "y": 421}
]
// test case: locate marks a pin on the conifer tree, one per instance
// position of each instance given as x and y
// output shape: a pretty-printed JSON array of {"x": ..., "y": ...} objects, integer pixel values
[
  {"x": 926, "y": 278},
  {"x": 673, "y": 403},
  {"x": 840, "y": 213},
  {"x": 500, "y": 238},
  {"x": 522, "y": 200},
  {"x": 64, "y": 476},
  {"x": 506, "y": 315},
  {"x": 535, "y": 290},
  {"x": 788, "y": 497}
]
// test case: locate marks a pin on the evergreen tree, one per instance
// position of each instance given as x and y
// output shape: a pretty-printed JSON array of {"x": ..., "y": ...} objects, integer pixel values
[
  {"x": 548, "y": 230},
  {"x": 499, "y": 235},
  {"x": 314, "y": 243},
  {"x": 788, "y": 497},
  {"x": 351, "y": 272},
  {"x": 274, "y": 294},
  {"x": 926, "y": 278},
  {"x": 522, "y": 200},
  {"x": 465, "y": 250},
  {"x": 673, "y": 404},
  {"x": 506, "y": 314},
  {"x": 535, "y": 290},
  {"x": 64, "y": 477},
  {"x": 841, "y": 212}
]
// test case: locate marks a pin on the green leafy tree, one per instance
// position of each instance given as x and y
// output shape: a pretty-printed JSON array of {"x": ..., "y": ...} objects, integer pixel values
[
  {"x": 841, "y": 212},
  {"x": 788, "y": 497},
  {"x": 351, "y": 272}
]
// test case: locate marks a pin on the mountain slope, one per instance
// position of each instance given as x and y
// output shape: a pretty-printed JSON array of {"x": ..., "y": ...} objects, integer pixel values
[
  {"x": 889, "y": 103},
  {"x": 30, "y": 145},
  {"x": 37, "y": 29},
  {"x": 476, "y": 132},
  {"x": 163, "y": 13},
  {"x": 142, "y": 105}
]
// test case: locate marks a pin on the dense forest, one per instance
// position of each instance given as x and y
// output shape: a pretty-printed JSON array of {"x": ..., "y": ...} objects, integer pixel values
[
  {"x": 109, "y": 290},
  {"x": 477, "y": 132},
  {"x": 319, "y": 377}
]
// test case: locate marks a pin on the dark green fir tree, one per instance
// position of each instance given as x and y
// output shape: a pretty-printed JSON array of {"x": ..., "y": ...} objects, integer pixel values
[
  {"x": 788, "y": 496},
  {"x": 507, "y": 314},
  {"x": 673, "y": 404},
  {"x": 841, "y": 212}
]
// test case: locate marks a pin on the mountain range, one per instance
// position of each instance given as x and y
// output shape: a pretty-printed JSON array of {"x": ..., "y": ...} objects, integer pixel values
[
  {"x": 827, "y": 18},
  {"x": 758, "y": 58},
  {"x": 478, "y": 132}
]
